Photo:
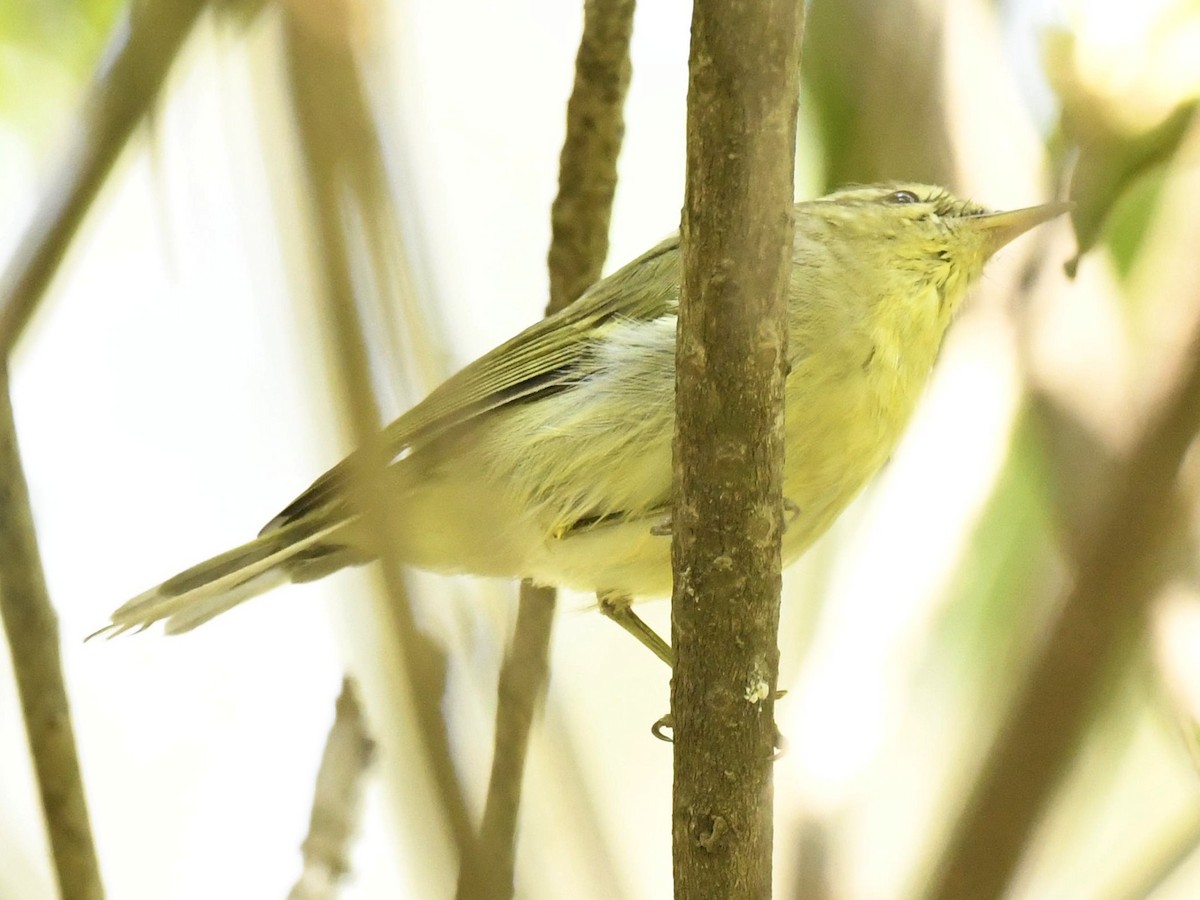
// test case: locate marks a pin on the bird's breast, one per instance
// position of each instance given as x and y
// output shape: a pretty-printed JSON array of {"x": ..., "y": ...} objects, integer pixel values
[{"x": 850, "y": 395}]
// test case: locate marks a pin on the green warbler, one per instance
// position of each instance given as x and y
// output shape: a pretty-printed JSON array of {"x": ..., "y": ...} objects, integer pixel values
[{"x": 549, "y": 458}]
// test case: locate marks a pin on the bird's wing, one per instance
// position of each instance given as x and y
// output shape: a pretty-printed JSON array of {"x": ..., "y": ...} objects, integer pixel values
[{"x": 542, "y": 359}]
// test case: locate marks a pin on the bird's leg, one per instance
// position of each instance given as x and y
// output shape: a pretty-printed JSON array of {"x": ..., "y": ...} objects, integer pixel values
[{"x": 618, "y": 607}]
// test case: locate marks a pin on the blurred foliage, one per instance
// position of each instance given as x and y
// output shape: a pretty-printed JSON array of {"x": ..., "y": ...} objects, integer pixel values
[
  {"x": 1124, "y": 119},
  {"x": 68, "y": 30},
  {"x": 42, "y": 39},
  {"x": 1122, "y": 130},
  {"x": 1005, "y": 577}
]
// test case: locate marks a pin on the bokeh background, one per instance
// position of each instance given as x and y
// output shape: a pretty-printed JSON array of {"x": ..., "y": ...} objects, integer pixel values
[{"x": 175, "y": 390}]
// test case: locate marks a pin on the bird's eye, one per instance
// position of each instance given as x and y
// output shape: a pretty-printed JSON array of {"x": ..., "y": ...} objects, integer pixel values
[{"x": 901, "y": 197}]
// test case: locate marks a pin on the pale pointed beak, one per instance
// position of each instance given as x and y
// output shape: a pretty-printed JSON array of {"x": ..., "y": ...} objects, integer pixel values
[{"x": 997, "y": 229}]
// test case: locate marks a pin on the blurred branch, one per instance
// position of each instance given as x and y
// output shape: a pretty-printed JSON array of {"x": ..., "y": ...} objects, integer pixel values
[
  {"x": 736, "y": 240},
  {"x": 812, "y": 861},
  {"x": 336, "y": 803},
  {"x": 1117, "y": 575},
  {"x": 580, "y": 217},
  {"x": 140, "y": 52},
  {"x": 341, "y": 152},
  {"x": 875, "y": 74},
  {"x": 1161, "y": 861},
  {"x": 31, "y": 627}
]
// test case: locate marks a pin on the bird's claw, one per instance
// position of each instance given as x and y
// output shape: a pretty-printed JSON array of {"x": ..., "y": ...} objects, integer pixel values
[{"x": 667, "y": 723}]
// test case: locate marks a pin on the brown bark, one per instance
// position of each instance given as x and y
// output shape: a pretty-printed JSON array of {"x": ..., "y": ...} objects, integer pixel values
[
  {"x": 587, "y": 168},
  {"x": 31, "y": 627},
  {"x": 141, "y": 51},
  {"x": 731, "y": 356},
  {"x": 580, "y": 216}
]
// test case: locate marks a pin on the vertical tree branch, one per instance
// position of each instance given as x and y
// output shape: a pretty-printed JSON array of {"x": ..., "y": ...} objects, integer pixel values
[
  {"x": 580, "y": 217},
  {"x": 140, "y": 53},
  {"x": 523, "y": 678},
  {"x": 139, "y": 56},
  {"x": 587, "y": 168},
  {"x": 730, "y": 368},
  {"x": 1117, "y": 575},
  {"x": 32, "y": 631}
]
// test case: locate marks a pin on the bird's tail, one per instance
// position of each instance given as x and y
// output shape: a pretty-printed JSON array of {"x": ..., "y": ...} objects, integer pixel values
[{"x": 210, "y": 588}]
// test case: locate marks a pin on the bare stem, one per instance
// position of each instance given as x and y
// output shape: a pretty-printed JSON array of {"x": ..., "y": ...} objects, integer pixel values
[
  {"x": 580, "y": 218},
  {"x": 140, "y": 53},
  {"x": 728, "y": 512},
  {"x": 587, "y": 169},
  {"x": 31, "y": 627},
  {"x": 523, "y": 679}
]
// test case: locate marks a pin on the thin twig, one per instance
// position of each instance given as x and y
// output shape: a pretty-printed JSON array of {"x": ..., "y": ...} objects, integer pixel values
[
  {"x": 31, "y": 627},
  {"x": 736, "y": 241},
  {"x": 587, "y": 167},
  {"x": 140, "y": 52},
  {"x": 1118, "y": 574},
  {"x": 580, "y": 217},
  {"x": 339, "y": 146},
  {"x": 523, "y": 679},
  {"x": 336, "y": 800}
]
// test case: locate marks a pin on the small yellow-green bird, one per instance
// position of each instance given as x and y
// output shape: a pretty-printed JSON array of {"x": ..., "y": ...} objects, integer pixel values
[{"x": 549, "y": 458}]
